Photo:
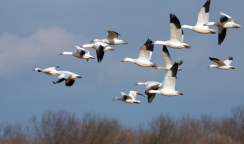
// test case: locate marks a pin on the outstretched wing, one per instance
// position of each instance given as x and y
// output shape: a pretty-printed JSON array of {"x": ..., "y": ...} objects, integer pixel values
[
  {"x": 151, "y": 95},
  {"x": 100, "y": 52},
  {"x": 222, "y": 34},
  {"x": 170, "y": 77},
  {"x": 176, "y": 33},
  {"x": 166, "y": 56},
  {"x": 224, "y": 18},
  {"x": 69, "y": 82},
  {"x": 203, "y": 15},
  {"x": 145, "y": 52},
  {"x": 220, "y": 63},
  {"x": 62, "y": 77},
  {"x": 112, "y": 34},
  {"x": 81, "y": 51},
  {"x": 228, "y": 61}
]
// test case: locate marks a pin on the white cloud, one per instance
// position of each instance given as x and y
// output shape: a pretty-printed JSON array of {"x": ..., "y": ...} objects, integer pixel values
[{"x": 16, "y": 53}]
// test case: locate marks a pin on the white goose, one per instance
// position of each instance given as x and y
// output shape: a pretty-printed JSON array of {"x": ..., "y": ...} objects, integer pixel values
[
  {"x": 169, "y": 83},
  {"x": 145, "y": 54},
  {"x": 203, "y": 17},
  {"x": 112, "y": 39},
  {"x": 168, "y": 60},
  {"x": 69, "y": 78},
  {"x": 222, "y": 65},
  {"x": 176, "y": 35},
  {"x": 131, "y": 98},
  {"x": 100, "y": 48},
  {"x": 49, "y": 71},
  {"x": 224, "y": 23},
  {"x": 151, "y": 85},
  {"x": 79, "y": 53}
]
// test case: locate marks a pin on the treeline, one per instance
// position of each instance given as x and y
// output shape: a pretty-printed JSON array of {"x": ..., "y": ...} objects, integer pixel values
[{"x": 62, "y": 127}]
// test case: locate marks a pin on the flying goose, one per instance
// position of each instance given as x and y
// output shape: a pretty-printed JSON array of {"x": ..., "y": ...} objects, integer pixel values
[
  {"x": 112, "y": 39},
  {"x": 169, "y": 83},
  {"x": 176, "y": 35},
  {"x": 131, "y": 98},
  {"x": 145, "y": 54},
  {"x": 168, "y": 61},
  {"x": 69, "y": 78},
  {"x": 225, "y": 65},
  {"x": 79, "y": 53},
  {"x": 49, "y": 71},
  {"x": 151, "y": 85},
  {"x": 223, "y": 24},
  {"x": 100, "y": 48},
  {"x": 203, "y": 17}
]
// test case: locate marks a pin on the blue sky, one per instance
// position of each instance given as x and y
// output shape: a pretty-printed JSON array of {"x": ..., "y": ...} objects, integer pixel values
[{"x": 34, "y": 33}]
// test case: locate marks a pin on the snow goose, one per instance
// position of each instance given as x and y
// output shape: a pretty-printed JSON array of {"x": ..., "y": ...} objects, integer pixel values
[
  {"x": 131, "y": 98},
  {"x": 49, "y": 71},
  {"x": 145, "y": 54},
  {"x": 176, "y": 35},
  {"x": 168, "y": 61},
  {"x": 151, "y": 85},
  {"x": 79, "y": 53},
  {"x": 203, "y": 17},
  {"x": 112, "y": 39},
  {"x": 69, "y": 78},
  {"x": 169, "y": 83},
  {"x": 223, "y": 24},
  {"x": 225, "y": 65},
  {"x": 100, "y": 48}
]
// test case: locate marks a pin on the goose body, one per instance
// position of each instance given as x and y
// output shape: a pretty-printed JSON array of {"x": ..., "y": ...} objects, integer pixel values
[
  {"x": 48, "y": 71},
  {"x": 100, "y": 48},
  {"x": 168, "y": 60},
  {"x": 79, "y": 53},
  {"x": 131, "y": 98},
  {"x": 69, "y": 78},
  {"x": 223, "y": 24},
  {"x": 145, "y": 54},
  {"x": 151, "y": 85},
  {"x": 176, "y": 35},
  {"x": 224, "y": 65},
  {"x": 169, "y": 83},
  {"x": 112, "y": 39},
  {"x": 203, "y": 17}
]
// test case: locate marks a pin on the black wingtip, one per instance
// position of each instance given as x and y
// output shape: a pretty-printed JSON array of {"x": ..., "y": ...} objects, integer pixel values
[
  {"x": 54, "y": 82},
  {"x": 230, "y": 58},
  {"x": 206, "y": 6},
  {"x": 57, "y": 66},
  {"x": 181, "y": 62},
  {"x": 213, "y": 59},
  {"x": 149, "y": 41},
  {"x": 174, "y": 69},
  {"x": 165, "y": 50},
  {"x": 175, "y": 20}
]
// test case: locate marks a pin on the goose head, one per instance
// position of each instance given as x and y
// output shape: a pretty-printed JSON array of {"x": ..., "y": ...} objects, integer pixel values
[
  {"x": 237, "y": 25},
  {"x": 212, "y": 66},
  {"x": 74, "y": 76},
  {"x": 37, "y": 69},
  {"x": 124, "y": 42},
  {"x": 128, "y": 59},
  {"x": 140, "y": 83},
  {"x": 97, "y": 40}
]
